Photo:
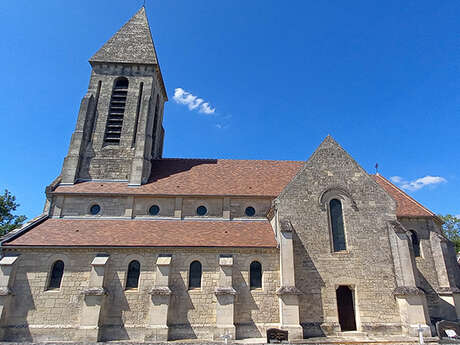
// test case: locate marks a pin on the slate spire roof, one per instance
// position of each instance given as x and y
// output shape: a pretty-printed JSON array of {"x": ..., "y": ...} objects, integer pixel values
[{"x": 131, "y": 44}]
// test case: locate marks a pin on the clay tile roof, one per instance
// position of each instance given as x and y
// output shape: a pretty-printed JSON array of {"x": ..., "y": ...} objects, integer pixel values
[
  {"x": 202, "y": 177},
  {"x": 406, "y": 206},
  {"x": 147, "y": 233}
]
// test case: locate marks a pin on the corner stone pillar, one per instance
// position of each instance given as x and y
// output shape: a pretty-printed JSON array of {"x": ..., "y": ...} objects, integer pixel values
[
  {"x": 447, "y": 290},
  {"x": 77, "y": 143},
  {"x": 288, "y": 294},
  {"x": 157, "y": 328},
  {"x": 410, "y": 299},
  {"x": 93, "y": 299},
  {"x": 7, "y": 266},
  {"x": 225, "y": 294},
  {"x": 140, "y": 167}
]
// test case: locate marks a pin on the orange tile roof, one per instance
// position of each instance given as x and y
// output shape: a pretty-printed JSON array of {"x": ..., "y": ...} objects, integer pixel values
[
  {"x": 202, "y": 177},
  {"x": 147, "y": 233},
  {"x": 406, "y": 206}
]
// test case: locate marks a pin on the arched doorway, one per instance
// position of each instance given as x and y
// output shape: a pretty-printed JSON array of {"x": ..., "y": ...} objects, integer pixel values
[{"x": 346, "y": 308}]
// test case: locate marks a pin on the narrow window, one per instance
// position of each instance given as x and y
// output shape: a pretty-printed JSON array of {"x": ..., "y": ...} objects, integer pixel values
[
  {"x": 116, "y": 111},
  {"x": 338, "y": 233},
  {"x": 155, "y": 124},
  {"x": 415, "y": 243},
  {"x": 56, "y": 275},
  {"x": 138, "y": 109},
  {"x": 255, "y": 275},
  {"x": 194, "y": 281},
  {"x": 94, "y": 115},
  {"x": 134, "y": 270}
]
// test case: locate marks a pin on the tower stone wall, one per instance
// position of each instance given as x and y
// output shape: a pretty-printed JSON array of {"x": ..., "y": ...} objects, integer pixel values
[{"x": 91, "y": 156}]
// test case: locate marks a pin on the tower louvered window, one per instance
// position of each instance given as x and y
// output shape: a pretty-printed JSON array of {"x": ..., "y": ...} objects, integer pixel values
[{"x": 116, "y": 111}]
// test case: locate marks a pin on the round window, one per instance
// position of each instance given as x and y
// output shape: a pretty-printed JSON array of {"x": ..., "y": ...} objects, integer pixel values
[
  {"x": 250, "y": 211},
  {"x": 154, "y": 210},
  {"x": 95, "y": 209},
  {"x": 201, "y": 211}
]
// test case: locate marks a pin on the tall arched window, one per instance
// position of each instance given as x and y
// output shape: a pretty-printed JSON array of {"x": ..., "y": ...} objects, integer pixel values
[
  {"x": 116, "y": 111},
  {"x": 338, "y": 232},
  {"x": 57, "y": 270},
  {"x": 415, "y": 243},
  {"x": 255, "y": 275},
  {"x": 132, "y": 278},
  {"x": 194, "y": 278},
  {"x": 155, "y": 125}
]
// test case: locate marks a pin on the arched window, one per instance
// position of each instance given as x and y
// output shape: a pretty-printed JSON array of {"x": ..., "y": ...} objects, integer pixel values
[
  {"x": 155, "y": 125},
  {"x": 194, "y": 278},
  {"x": 116, "y": 111},
  {"x": 255, "y": 275},
  {"x": 132, "y": 279},
  {"x": 415, "y": 243},
  {"x": 57, "y": 270},
  {"x": 338, "y": 232}
]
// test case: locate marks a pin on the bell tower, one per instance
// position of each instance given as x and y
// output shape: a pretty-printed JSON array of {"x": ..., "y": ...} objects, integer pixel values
[{"x": 119, "y": 127}]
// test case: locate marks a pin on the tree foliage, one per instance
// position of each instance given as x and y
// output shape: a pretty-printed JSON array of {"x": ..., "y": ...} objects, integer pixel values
[
  {"x": 451, "y": 228},
  {"x": 9, "y": 221}
]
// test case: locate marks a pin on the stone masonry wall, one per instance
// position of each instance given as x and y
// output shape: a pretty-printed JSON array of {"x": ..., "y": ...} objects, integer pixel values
[
  {"x": 126, "y": 206},
  {"x": 366, "y": 266},
  {"x": 426, "y": 277},
  {"x": 48, "y": 315},
  {"x": 102, "y": 161}
]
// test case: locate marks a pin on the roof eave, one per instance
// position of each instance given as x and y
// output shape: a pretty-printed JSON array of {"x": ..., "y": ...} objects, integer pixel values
[
  {"x": 17, "y": 246},
  {"x": 25, "y": 228}
]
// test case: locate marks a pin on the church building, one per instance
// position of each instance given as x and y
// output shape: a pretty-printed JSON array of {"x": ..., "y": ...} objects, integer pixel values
[{"x": 134, "y": 246}]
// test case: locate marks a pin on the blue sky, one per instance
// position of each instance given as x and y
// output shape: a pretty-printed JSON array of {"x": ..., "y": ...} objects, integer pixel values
[{"x": 382, "y": 77}]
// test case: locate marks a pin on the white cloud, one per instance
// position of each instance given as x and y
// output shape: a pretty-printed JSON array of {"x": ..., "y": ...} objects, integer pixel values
[
  {"x": 418, "y": 183},
  {"x": 206, "y": 109},
  {"x": 192, "y": 102},
  {"x": 396, "y": 179}
]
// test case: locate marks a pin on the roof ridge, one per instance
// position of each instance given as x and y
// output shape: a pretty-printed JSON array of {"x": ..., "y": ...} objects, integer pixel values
[
  {"x": 231, "y": 159},
  {"x": 404, "y": 194}
]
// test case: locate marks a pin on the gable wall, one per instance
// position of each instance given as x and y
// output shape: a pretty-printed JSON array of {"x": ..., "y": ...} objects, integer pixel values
[{"x": 367, "y": 264}]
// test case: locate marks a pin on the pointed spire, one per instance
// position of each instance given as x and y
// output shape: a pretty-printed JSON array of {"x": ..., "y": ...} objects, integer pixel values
[
  {"x": 131, "y": 44},
  {"x": 329, "y": 141}
]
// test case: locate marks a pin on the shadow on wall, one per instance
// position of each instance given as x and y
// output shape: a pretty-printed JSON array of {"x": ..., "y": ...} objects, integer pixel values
[
  {"x": 310, "y": 283},
  {"x": 167, "y": 167},
  {"x": 112, "y": 325},
  {"x": 83, "y": 170},
  {"x": 438, "y": 309},
  {"x": 452, "y": 264},
  {"x": 21, "y": 304},
  {"x": 180, "y": 304},
  {"x": 244, "y": 305}
]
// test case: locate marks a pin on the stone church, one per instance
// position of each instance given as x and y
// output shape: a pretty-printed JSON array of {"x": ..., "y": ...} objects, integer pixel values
[{"x": 134, "y": 246}]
